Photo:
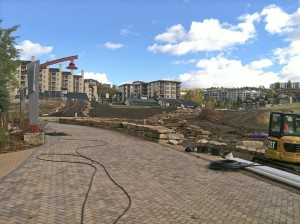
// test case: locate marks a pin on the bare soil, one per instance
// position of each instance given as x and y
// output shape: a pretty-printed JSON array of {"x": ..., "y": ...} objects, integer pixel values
[
  {"x": 14, "y": 143},
  {"x": 228, "y": 127}
]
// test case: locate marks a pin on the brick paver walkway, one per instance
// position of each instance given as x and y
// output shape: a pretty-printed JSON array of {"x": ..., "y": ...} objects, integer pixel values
[
  {"x": 10, "y": 161},
  {"x": 166, "y": 186}
]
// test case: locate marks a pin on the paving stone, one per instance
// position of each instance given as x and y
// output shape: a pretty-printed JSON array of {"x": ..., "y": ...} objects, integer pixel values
[{"x": 165, "y": 186}]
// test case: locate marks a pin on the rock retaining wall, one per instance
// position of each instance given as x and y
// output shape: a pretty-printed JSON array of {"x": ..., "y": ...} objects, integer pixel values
[
  {"x": 34, "y": 138},
  {"x": 153, "y": 133}
]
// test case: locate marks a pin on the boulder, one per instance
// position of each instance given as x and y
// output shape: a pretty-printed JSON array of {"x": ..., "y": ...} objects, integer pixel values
[{"x": 251, "y": 144}]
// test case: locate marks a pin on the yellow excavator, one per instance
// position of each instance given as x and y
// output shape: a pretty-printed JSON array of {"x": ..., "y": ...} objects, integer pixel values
[
  {"x": 284, "y": 137},
  {"x": 283, "y": 150}
]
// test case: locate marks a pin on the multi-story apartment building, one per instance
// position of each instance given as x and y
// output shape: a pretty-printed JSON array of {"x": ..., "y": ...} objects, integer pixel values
[
  {"x": 57, "y": 80},
  {"x": 90, "y": 88},
  {"x": 285, "y": 85},
  {"x": 232, "y": 94},
  {"x": 155, "y": 89},
  {"x": 164, "y": 89},
  {"x": 54, "y": 79},
  {"x": 137, "y": 89}
]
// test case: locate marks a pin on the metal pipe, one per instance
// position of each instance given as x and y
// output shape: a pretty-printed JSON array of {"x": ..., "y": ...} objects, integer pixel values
[{"x": 279, "y": 175}]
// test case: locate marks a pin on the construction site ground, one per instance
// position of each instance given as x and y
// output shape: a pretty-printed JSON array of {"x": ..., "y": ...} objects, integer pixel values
[
  {"x": 216, "y": 126},
  {"x": 222, "y": 126}
]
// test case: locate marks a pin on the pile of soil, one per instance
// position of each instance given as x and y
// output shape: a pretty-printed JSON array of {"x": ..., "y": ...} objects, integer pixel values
[
  {"x": 70, "y": 109},
  {"x": 208, "y": 114},
  {"x": 106, "y": 111}
]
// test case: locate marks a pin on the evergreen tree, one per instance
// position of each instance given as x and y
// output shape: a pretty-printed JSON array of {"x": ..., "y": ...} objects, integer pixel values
[
  {"x": 188, "y": 95},
  {"x": 239, "y": 102},
  {"x": 8, "y": 65}
]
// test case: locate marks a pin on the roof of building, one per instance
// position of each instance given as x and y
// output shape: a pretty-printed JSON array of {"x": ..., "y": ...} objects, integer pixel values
[
  {"x": 24, "y": 62},
  {"x": 77, "y": 96},
  {"x": 77, "y": 76},
  {"x": 138, "y": 82},
  {"x": 92, "y": 81},
  {"x": 144, "y": 83},
  {"x": 142, "y": 102},
  {"x": 50, "y": 94},
  {"x": 53, "y": 69},
  {"x": 165, "y": 81},
  {"x": 179, "y": 102},
  {"x": 282, "y": 96},
  {"x": 66, "y": 73}
]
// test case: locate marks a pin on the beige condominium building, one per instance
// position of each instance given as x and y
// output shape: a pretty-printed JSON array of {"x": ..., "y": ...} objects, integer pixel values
[
  {"x": 156, "y": 89},
  {"x": 164, "y": 89},
  {"x": 55, "y": 79},
  {"x": 90, "y": 88}
]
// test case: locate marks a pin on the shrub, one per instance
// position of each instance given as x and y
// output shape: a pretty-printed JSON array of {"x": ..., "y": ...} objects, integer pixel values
[
  {"x": 19, "y": 120},
  {"x": 3, "y": 137}
]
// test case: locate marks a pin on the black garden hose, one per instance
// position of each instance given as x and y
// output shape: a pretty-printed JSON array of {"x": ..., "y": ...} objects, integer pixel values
[
  {"x": 228, "y": 164},
  {"x": 89, "y": 162}
]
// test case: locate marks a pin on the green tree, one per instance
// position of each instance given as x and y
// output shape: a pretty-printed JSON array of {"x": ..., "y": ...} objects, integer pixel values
[
  {"x": 228, "y": 104},
  {"x": 289, "y": 84},
  {"x": 188, "y": 95},
  {"x": 4, "y": 97},
  {"x": 210, "y": 102},
  {"x": 198, "y": 98},
  {"x": 103, "y": 89},
  {"x": 271, "y": 93},
  {"x": 218, "y": 104},
  {"x": 8, "y": 65},
  {"x": 239, "y": 102}
]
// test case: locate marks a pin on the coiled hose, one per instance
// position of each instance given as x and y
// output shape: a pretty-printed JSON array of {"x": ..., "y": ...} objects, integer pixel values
[{"x": 229, "y": 164}]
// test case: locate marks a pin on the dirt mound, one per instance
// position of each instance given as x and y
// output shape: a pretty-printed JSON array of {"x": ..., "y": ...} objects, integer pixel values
[
  {"x": 70, "y": 109},
  {"x": 106, "y": 111},
  {"x": 210, "y": 115}
]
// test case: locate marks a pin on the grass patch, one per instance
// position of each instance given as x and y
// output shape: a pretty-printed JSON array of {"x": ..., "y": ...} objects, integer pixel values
[{"x": 294, "y": 107}]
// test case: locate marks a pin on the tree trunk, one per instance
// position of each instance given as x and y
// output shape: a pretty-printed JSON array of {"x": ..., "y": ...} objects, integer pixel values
[{"x": 4, "y": 121}]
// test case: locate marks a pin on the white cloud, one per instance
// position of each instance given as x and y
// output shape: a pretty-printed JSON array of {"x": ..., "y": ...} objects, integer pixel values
[
  {"x": 280, "y": 22},
  {"x": 208, "y": 35},
  {"x": 126, "y": 31},
  {"x": 113, "y": 46},
  {"x": 174, "y": 34},
  {"x": 219, "y": 71},
  {"x": 100, "y": 77},
  {"x": 277, "y": 21},
  {"x": 291, "y": 70},
  {"x": 263, "y": 63},
  {"x": 29, "y": 49},
  {"x": 52, "y": 56},
  {"x": 283, "y": 55},
  {"x": 184, "y": 62}
]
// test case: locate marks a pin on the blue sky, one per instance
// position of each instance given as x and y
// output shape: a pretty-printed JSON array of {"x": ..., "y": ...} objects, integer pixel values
[{"x": 201, "y": 43}]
